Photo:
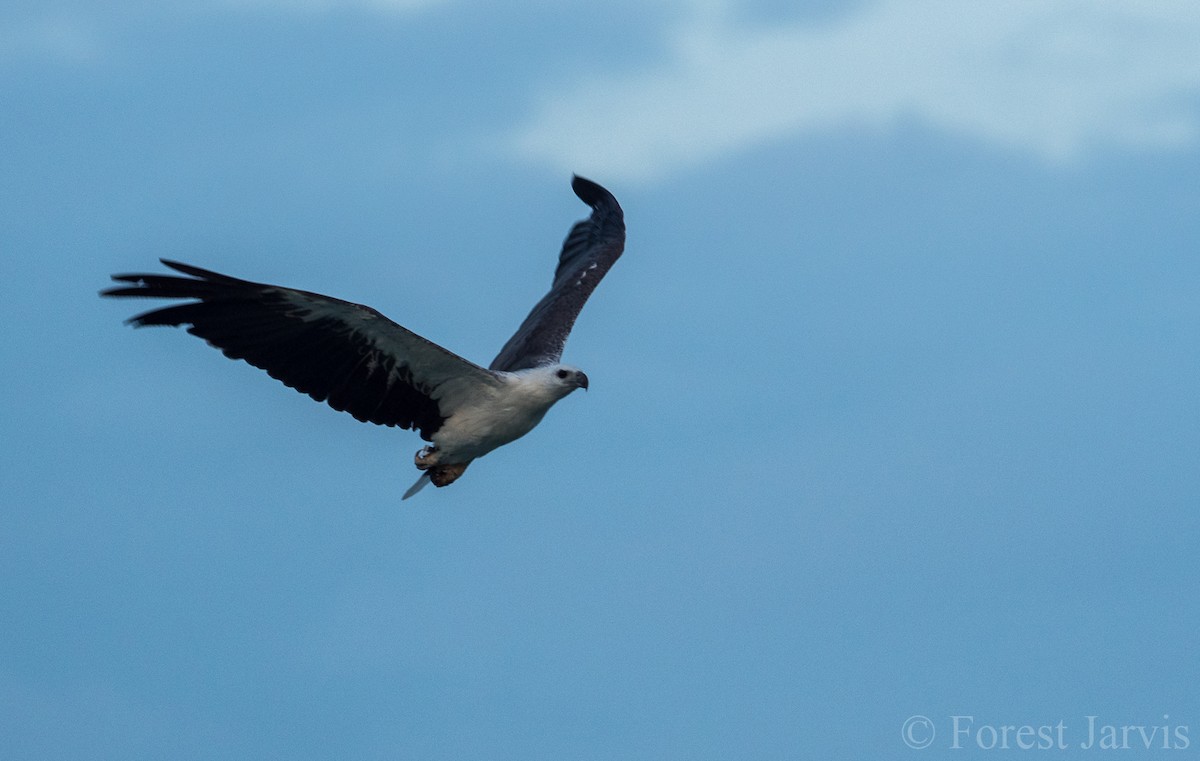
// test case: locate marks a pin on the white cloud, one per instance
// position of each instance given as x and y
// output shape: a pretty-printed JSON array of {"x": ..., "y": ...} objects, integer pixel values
[{"x": 1055, "y": 78}]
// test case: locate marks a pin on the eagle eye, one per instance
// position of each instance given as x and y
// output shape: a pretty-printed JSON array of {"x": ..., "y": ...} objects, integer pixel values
[{"x": 562, "y": 374}]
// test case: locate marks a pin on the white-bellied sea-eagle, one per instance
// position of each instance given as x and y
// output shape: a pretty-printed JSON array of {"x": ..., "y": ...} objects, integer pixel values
[{"x": 358, "y": 361}]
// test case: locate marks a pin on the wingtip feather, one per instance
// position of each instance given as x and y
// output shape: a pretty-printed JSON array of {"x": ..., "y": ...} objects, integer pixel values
[{"x": 593, "y": 194}]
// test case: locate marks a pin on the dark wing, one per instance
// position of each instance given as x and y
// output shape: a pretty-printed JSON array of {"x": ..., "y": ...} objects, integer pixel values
[
  {"x": 346, "y": 354},
  {"x": 589, "y": 250}
]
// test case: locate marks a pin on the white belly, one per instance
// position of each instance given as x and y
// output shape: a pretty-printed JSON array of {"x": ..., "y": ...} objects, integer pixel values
[{"x": 505, "y": 415}]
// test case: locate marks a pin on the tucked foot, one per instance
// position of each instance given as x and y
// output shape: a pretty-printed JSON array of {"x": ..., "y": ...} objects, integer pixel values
[
  {"x": 444, "y": 475},
  {"x": 426, "y": 458}
]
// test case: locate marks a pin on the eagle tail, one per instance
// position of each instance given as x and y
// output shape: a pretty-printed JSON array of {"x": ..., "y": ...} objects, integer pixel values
[{"x": 418, "y": 486}]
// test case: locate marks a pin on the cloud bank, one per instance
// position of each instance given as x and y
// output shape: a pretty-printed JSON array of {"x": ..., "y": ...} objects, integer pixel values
[{"x": 1058, "y": 79}]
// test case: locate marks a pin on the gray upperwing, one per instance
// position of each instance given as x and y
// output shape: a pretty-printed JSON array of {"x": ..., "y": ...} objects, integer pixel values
[{"x": 587, "y": 254}]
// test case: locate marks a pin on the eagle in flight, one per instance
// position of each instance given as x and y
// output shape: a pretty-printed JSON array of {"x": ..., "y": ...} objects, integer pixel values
[{"x": 358, "y": 361}]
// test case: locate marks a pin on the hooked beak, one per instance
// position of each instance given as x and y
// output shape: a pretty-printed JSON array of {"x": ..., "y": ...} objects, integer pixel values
[{"x": 582, "y": 380}]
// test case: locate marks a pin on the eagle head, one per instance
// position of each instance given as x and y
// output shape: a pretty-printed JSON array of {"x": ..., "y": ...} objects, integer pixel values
[{"x": 570, "y": 377}]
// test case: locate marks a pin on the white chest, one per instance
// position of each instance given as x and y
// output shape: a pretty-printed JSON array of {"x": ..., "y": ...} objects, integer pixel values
[{"x": 505, "y": 414}]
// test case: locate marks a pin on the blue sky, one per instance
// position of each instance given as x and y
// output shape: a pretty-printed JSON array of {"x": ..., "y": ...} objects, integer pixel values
[{"x": 893, "y": 405}]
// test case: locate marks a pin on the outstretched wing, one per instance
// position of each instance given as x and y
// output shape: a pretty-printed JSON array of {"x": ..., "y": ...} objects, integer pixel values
[
  {"x": 346, "y": 354},
  {"x": 589, "y": 250}
]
